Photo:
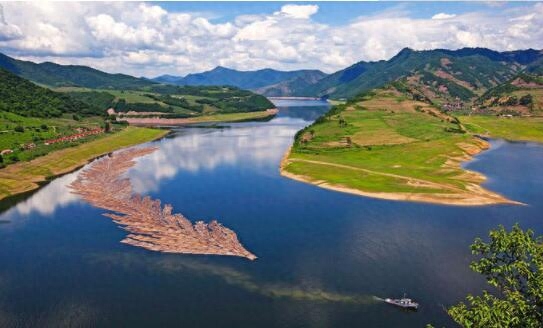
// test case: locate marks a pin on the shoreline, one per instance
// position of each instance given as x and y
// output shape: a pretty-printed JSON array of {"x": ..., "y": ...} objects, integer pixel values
[
  {"x": 474, "y": 195},
  {"x": 34, "y": 182},
  {"x": 222, "y": 118},
  {"x": 294, "y": 98}
]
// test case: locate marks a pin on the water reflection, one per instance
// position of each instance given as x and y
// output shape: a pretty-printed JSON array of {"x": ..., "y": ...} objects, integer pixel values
[
  {"x": 44, "y": 201},
  {"x": 204, "y": 149}
]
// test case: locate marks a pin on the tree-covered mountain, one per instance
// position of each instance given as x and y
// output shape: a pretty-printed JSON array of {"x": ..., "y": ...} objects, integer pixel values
[
  {"x": 241, "y": 79},
  {"x": 447, "y": 74},
  {"x": 25, "y": 98},
  {"x": 56, "y": 75}
]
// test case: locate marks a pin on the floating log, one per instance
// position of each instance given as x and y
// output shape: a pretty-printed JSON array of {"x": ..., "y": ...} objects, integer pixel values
[{"x": 150, "y": 225}]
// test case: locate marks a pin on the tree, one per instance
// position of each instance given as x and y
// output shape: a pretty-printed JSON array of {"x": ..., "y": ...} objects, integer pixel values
[
  {"x": 526, "y": 100},
  {"x": 107, "y": 127},
  {"x": 512, "y": 262}
]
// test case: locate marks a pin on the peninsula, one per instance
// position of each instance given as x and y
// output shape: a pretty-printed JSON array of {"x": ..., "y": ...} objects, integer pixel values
[
  {"x": 159, "y": 120},
  {"x": 150, "y": 225},
  {"x": 385, "y": 145}
]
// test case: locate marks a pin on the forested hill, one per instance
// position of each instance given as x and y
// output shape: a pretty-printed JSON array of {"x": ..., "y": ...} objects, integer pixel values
[
  {"x": 56, "y": 75},
  {"x": 464, "y": 73},
  {"x": 25, "y": 98},
  {"x": 242, "y": 79}
]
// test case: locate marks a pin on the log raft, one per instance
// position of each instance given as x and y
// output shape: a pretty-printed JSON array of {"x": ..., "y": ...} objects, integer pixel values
[{"x": 149, "y": 224}]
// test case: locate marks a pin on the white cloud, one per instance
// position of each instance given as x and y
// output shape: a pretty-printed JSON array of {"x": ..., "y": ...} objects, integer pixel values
[
  {"x": 8, "y": 31},
  {"x": 299, "y": 11},
  {"x": 145, "y": 39},
  {"x": 443, "y": 16}
]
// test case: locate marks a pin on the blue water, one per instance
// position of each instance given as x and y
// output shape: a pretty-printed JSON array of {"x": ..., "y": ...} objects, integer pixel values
[{"x": 323, "y": 256}]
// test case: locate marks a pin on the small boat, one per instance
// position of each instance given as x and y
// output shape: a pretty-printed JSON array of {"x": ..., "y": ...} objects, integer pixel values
[{"x": 404, "y": 302}]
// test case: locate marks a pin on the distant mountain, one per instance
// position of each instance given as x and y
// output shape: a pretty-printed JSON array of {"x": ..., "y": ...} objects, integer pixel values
[
  {"x": 464, "y": 73},
  {"x": 56, "y": 75},
  {"x": 25, "y": 98},
  {"x": 168, "y": 79},
  {"x": 296, "y": 85},
  {"x": 242, "y": 79}
]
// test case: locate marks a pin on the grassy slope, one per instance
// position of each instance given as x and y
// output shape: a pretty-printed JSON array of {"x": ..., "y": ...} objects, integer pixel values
[
  {"x": 397, "y": 147},
  {"x": 515, "y": 128},
  {"x": 25, "y": 176}
]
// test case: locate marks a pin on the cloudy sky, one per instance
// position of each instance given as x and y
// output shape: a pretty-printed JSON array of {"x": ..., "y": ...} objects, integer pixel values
[{"x": 154, "y": 38}]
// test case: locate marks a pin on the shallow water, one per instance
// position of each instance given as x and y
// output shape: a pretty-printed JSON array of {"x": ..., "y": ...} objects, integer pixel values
[{"x": 325, "y": 258}]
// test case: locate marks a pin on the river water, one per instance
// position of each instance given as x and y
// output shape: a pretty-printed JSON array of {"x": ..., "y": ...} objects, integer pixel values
[{"x": 325, "y": 258}]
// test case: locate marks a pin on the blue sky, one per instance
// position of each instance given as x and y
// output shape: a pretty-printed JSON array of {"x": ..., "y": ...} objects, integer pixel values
[
  {"x": 154, "y": 38},
  {"x": 336, "y": 12}
]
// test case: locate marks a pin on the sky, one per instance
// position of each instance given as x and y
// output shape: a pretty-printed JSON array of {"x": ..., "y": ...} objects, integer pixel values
[{"x": 177, "y": 38}]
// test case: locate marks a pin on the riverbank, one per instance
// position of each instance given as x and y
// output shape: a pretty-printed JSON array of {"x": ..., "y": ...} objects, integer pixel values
[
  {"x": 389, "y": 147},
  {"x": 474, "y": 195},
  {"x": 230, "y": 117},
  {"x": 26, "y": 176},
  {"x": 294, "y": 98}
]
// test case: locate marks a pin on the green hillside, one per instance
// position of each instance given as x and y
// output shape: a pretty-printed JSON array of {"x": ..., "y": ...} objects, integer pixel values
[
  {"x": 25, "y": 98},
  {"x": 56, "y": 75},
  {"x": 174, "y": 101},
  {"x": 522, "y": 95}
]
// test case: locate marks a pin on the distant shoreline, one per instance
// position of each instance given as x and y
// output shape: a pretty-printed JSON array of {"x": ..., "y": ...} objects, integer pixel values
[
  {"x": 295, "y": 98},
  {"x": 230, "y": 117}
]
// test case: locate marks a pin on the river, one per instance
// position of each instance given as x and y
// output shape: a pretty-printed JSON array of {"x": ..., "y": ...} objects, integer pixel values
[{"x": 324, "y": 258}]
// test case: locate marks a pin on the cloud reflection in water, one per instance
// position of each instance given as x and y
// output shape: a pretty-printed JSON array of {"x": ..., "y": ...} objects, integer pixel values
[{"x": 196, "y": 150}]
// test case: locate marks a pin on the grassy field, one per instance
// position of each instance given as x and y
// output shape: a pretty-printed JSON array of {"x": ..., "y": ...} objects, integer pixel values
[
  {"x": 390, "y": 147},
  {"x": 25, "y": 176},
  {"x": 513, "y": 128}
]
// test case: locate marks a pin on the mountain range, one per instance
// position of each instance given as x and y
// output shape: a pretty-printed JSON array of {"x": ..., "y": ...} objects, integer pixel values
[
  {"x": 438, "y": 76},
  {"x": 462, "y": 73},
  {"x": 242, "y": 79},
  {"x": 441, "y": 75}
]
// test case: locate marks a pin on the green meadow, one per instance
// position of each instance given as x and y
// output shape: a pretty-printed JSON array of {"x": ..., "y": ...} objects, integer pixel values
[{"x": 510, "y": 128}]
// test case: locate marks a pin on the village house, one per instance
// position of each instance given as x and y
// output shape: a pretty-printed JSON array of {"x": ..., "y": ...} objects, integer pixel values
[
  {"x": 28, "y": 146},
  {"x": 74, "y": 137}
]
